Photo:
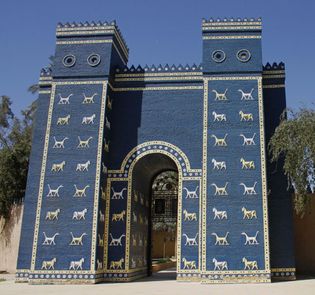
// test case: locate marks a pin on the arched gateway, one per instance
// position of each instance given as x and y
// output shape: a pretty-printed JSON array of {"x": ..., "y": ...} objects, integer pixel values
[
  {"x": 138, "y": 170},
  {"x": 103, "y": 131}
]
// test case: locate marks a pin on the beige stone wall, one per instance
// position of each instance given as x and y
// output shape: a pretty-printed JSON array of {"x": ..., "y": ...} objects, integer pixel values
[
  {"x": 9, "y": 240},
  {"x": 304, "y": 236}
]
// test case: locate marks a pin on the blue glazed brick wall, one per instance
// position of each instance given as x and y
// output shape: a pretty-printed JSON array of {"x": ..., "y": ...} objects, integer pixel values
[
  {"x": 139, "y": 219},
  {"x": 117, "y": 228},
  {"x": 81, "y": 53},
  {"x": 190, "y": 250},
  {"x": 140, "y": 116},
  {"x": 279, "y": 197},
  {"x": 31, "y": 194},
  {"x": 231, "y": 63},
  {"x": 116, "y": 61},
  {"x": 72, "y": 155},
  {"x": 232, "y": 176}
]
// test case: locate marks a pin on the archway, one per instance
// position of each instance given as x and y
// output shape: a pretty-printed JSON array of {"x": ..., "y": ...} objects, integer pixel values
[
  {"x": 164, "y": 205},
  {"x": 150, "y": 211},
  {"x": 128, "y": 212}
]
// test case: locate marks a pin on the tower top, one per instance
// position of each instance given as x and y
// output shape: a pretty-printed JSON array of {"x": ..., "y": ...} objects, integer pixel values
[
  {"x": 231, "y": 45},
  {"x": 91, "y": 29},
  {"x": 231, "y": 24},
  {"x": 89, "y": 49}
]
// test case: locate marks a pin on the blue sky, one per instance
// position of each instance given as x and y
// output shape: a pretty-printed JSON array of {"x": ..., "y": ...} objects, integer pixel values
[{"x": 160, "y": 31}]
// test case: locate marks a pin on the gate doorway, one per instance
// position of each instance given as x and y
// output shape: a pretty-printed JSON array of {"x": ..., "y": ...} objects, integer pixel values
[
  {"x": 154, "y": 206},
  {"x": 164, "y": 200}
]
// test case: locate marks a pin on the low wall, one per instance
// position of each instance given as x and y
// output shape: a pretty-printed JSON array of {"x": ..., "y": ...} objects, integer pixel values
[
  {"x": 10, "y": 239},
  {"x": 304, "y": 236}
]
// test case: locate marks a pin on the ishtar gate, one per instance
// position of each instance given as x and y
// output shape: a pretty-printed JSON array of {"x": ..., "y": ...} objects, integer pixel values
[{"x": 119, "y": 152}]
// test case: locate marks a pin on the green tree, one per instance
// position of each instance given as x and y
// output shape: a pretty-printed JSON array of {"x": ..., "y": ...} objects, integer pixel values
[
  {"x": 294, "y": 142},
  {"x": 15, "y": 146}
]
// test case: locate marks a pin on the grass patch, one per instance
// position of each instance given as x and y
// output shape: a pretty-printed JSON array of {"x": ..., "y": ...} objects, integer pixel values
[{"x": 2, "y": 280}]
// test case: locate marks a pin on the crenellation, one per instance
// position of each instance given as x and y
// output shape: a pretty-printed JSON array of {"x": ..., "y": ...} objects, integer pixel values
[
  {"x": 86, "y": 24},
  {"x": 46, "y": 72},
  {"x": 160, "y": 68},
  {"x": 232, "y": 20},
  {"x": 274, "y": 66}
]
